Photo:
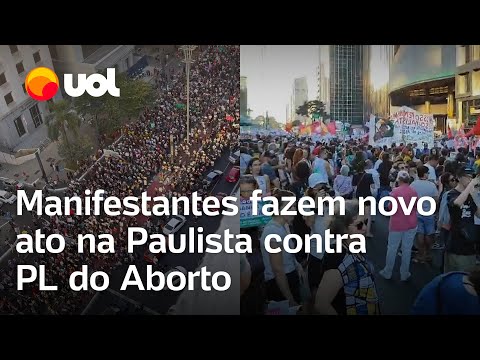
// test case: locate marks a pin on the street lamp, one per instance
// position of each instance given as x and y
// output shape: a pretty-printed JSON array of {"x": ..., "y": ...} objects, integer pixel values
[{"x": 187, "y": 52}]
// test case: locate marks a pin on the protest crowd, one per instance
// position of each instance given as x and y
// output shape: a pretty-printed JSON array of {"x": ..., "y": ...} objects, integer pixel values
[
  {"x": 346, "y": 283},
  {"x": 140, "y": 156}
]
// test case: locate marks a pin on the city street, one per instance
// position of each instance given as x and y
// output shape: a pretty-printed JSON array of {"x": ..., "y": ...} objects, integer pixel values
[
  {"x": 396, "y": 296},
  {"x": 161, "y": 301}
]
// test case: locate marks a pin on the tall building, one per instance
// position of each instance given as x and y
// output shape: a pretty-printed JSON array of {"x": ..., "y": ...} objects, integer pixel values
[
  {"x": 243, "y": 96},
  {"x": 467, "y": 81},
  {"x": 21, "y": 117},
  {"x": 377, "y": 60},
  {"x": 346, "y": 83},
  {"x": 89, "y": 59},
  {"x": 299, "y": 95},
  {"x": 323, "y": 76},
  {"x": 422, "y": 77}
]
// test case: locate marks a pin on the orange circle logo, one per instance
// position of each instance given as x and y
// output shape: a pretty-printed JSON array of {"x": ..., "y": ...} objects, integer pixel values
[{"x": 41, "y": 84}]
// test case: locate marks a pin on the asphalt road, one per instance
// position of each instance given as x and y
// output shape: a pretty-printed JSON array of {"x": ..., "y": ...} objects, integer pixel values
[
  {"x": 161, "y": 301},
  {"x": 397, "y": 297}
]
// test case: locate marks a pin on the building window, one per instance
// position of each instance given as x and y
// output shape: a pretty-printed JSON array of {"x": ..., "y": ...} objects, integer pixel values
[
  {"x": 36, "y": 116},
  {"x": 13, "y": 49},
  {"x": 36, "y": 57},
  {"x": 465, "y": 110},
  {"x": 20, "y": 68},
  {"x": 3, "y": 79},
  {"x": 19, "y": 126},
  {"x": 49, "y": 104},
  {"x": 461, "y": 55},
  {"x": 462, "y": 87},
  {"x": 476, "y": 82},
  {"x": 8, "y": 98},
  {"x": 53, "y": 51},
  {"x": 475, "y": 52}
]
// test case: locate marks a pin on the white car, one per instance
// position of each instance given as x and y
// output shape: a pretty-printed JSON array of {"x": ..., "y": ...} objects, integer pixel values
[
  {"x": 174, "y": 224},
  {"x": 7, "y": 197},
  {"x": 233, "y": 158},
  {"x": 181, "y": 269},
  {"x": 212, "y": 176}
]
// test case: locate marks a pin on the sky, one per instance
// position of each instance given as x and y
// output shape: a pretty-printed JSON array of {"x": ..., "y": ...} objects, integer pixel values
[{"x": 270, "y": 71}]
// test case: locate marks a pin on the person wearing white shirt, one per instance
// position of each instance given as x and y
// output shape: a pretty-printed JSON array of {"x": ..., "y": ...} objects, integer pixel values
[{"x": 431, "y": 165}]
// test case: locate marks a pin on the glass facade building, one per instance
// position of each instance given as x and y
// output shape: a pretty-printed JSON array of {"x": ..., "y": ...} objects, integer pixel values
[{"x": 346, "y": 83}]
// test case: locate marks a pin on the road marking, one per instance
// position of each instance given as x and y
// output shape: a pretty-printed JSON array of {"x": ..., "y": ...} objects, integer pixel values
[{"x": 131, "y": 301}]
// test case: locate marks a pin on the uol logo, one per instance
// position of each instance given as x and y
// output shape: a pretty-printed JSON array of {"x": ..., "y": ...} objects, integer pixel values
[{"x": 42, "y": 84}]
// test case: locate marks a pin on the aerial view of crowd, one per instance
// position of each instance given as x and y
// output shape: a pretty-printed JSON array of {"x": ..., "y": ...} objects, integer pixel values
[{"x": 140, "y": 156}]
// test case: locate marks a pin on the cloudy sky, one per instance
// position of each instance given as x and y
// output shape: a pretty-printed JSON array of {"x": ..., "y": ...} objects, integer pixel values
[{"x": 270, "y": 71}]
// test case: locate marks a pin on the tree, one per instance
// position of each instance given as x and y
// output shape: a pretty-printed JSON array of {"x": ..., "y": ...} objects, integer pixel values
[
  {"x": 313, "y": 109},
  {"x": 108, "y": 113},
  {"x": 296, "y": 123},
  {"x": 61, "y": 118},
  {"x": 78, "y": 150},
  {"x": 302, "y": 110}
]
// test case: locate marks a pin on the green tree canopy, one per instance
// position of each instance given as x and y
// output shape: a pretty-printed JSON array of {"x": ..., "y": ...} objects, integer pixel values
[
  {"x": 80, "y": 148},
  {"x": 60, "y": 118},
  {"x": 108, "y": 112}
]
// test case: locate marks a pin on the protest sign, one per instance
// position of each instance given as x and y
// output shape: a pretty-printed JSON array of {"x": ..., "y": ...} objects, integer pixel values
[
  {"x": 413, "y": 126},
  {"x": 247, "y": 219}
]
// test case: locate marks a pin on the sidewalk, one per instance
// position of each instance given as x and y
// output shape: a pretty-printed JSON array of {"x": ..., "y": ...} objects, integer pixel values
[{"x": 30, "y": 171}]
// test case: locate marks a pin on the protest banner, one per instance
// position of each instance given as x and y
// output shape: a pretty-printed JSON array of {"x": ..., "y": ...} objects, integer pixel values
[
  {"x": 413, "y": 126},
  {"x": 384, "y": 132},
  {"x": 247, "y": 219}
]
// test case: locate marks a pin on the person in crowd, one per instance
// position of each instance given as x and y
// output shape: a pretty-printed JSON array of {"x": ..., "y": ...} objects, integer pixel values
[
  {"x": 342, "y": 185},
  {"x": 375, "y": 175},
  {"x": 263, "y": 181},
  {"x": 426, "y": 223},
  {"x": 431, "y": 166},
  {"x": 269, "y": 170},
  {"x": 463, "y": 205},
  {"x": 318, "y": 224},
  {"x": 322, "y": 166},
  {"x": 448, "y": 182},
  {"x": 245, "y": 158},
  {"x": 384, "y": 172},
  {"x": 453, "y": 293},
  {"x": 363, "y": 182},
  {"x": 282, "y": 271},
  {"x": 402, "y": 230},
  {"x": 347, "y": 286}
]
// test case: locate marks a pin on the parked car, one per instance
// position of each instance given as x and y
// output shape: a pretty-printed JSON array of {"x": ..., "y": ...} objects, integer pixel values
[
  {"x": 7, "y": 197},
  {"x": 174, "y": 224},
  {"x": 233, "y": 175},
  {"x": 234, "y": 157},
  {"x": 10, "y": 185},
  {"x": 211, "y": 177}
]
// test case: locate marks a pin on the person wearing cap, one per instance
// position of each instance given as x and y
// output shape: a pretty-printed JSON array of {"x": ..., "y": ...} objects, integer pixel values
[
  {"x": 402, "y": 230},
  {"x": 463, "y": 204}
]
